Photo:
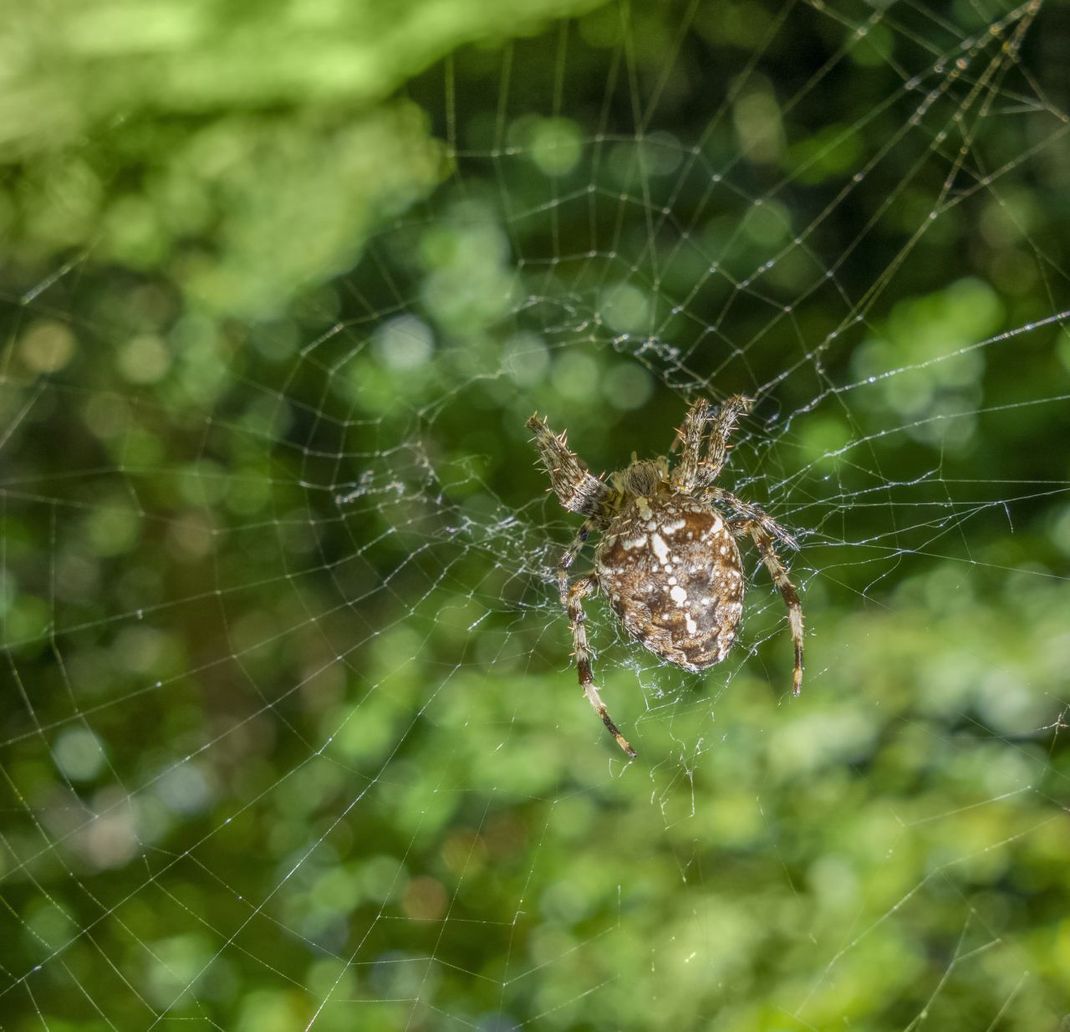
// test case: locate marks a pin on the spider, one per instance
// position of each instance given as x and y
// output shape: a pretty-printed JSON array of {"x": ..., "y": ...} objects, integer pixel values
[{"x": 667, "y": 557}]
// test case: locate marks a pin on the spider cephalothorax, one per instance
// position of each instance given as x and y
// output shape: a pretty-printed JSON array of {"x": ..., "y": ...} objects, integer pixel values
[{"x": 667, "y": 558}]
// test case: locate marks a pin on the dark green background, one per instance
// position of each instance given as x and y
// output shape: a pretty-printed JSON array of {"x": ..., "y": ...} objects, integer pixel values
[{"x": 289, "y": 732}]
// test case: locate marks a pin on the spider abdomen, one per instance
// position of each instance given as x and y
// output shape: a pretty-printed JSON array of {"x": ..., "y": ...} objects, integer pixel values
[{"x": 672, "y": 573}]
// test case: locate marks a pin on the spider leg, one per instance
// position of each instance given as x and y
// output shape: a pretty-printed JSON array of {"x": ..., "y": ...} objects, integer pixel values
[
  {"x": 721, "y": 432},
  {"x": 580, "y": 589},
  {"x": 750, "y": 513},
  {"x": 568, "y": 557},
  {"x": 695, "y": 468},
  {"x": 764, "y": 543},
  {"x": 576, "y": 487},
  {"x": 689, "y": 440}
]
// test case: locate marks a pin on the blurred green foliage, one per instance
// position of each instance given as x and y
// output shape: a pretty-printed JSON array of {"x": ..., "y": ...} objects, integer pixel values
[
  {"x": 290, "y": 736},
  {"x": 241, "y": 150}
]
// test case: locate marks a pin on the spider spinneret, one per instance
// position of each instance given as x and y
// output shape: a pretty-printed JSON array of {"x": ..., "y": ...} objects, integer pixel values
[{"x": 667, "y": 557}]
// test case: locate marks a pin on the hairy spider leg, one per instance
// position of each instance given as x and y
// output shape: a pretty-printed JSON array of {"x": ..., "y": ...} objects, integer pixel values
[
  {"x": 721, "y": 432},
  {"x": 689, "y": 439},
  {"x": 579, "y": 590},
  {"x": 695, "y": 468},
  {"x": 749, "y": 511},
  {"x": 568, "y": 557},
  {"x": 576, "y": 487},
  {"x": 764, "y": 543}
]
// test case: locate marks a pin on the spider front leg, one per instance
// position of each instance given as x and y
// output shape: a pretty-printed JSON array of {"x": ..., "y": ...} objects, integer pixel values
[
  {"x": 764, "y": 543},
  {"x": 721, "y": 432},
  {"x": 695, "y": 468},
  {"x": 576, "y": 593},
  {"x": 577, "y": 489}
]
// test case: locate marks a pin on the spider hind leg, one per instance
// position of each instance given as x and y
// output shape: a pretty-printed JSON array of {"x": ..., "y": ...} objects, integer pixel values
[
  {"x": 764, "y": 543},
  {"x": 579, "y": 590}
]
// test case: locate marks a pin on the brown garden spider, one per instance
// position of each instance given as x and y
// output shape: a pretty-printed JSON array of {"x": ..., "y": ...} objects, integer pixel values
[{"x": 667, "y": 558}]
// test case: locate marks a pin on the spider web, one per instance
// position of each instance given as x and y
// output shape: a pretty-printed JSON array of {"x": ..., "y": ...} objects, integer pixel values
[{"x": 291, "y": 735}]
